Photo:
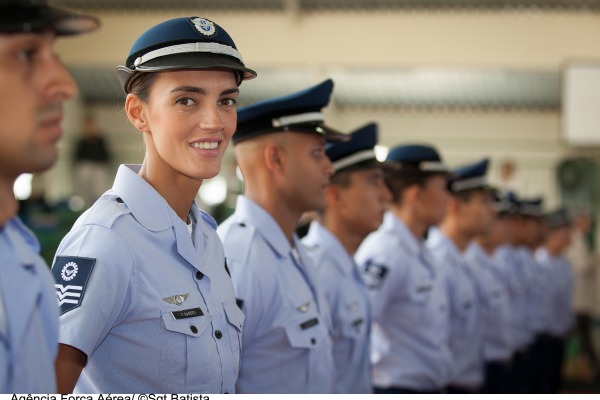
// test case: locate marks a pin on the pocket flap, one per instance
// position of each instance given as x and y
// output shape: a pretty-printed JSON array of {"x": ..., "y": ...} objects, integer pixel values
[
  {"x": 352, "y": 329},
  {"x": 187, "y": 321},
  {"x": 303, "y": 334},
  {"x": 235, "y": 316}
]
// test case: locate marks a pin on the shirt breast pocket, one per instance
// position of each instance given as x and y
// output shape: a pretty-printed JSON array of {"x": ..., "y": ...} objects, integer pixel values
[
  {"x": 182, "y": 340},
  {"x": 419, "y": 299},
  {"x": 420, "y": 293},
  {"x": 305, "y": 337},
  {"x": 351, "y": 331},
  {"x": 235, "y": 318},
  {"x": 351, "y": 321}
]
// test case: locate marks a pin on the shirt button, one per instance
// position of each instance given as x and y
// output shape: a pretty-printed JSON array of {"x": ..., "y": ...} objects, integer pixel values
[
  {"x": 218, "y": 334},
  {"x": 199, "y": 275},
  {"x": 193, "y": 329},
  {"x": 313, "y": 341}
]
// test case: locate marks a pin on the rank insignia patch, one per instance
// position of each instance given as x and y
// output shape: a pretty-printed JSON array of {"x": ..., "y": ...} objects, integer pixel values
[
  {"x": 71, "y": 275},
  {"x": 374, "y": 275}
]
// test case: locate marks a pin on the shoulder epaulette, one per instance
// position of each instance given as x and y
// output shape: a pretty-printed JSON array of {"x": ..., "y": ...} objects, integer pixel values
[{"x": 238, "y": 240}]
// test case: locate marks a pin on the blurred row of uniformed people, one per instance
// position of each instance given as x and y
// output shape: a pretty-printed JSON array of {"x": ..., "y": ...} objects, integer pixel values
[
  {"x": 490, "y": 277},
  {"x": 366, "y": 302},
  {"x": 154, "y": 298}
]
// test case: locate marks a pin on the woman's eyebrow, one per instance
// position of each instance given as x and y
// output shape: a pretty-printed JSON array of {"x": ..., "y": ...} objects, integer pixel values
[
  {"x": 188, "y": 89},
  {"x": 199, "y": 90}
]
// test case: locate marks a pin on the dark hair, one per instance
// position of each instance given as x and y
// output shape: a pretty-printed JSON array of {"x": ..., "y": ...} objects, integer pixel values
[
  {"x": 343, "y": 177},
  {"x": 141, "y": 85},
  {"x": 464, "y": 196},
  {"x": 398, "y": 180}
]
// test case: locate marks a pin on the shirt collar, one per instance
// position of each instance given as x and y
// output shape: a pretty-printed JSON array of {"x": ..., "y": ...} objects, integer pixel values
[
  {"x": 140, "y": 196},
  {"x": 476, "y": 252},
  {"x": 407, "y": 239},
  {"x": 319, "y": 235},
  {"x": 248, "y": 211},
  {"x": 28, "y": 246},
  {"x": 439, "y": 239}
]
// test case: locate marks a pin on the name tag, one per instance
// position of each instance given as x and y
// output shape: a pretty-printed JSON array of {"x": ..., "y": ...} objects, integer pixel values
[
  {"x": 309, "y": 324},
  {"x": 357, "y": 323},
  {"x": 192, "y": 312},
  {"x": 425, "y": 288}
]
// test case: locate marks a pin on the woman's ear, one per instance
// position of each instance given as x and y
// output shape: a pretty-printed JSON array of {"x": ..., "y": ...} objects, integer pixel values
[{"x": 134, "y": 107}]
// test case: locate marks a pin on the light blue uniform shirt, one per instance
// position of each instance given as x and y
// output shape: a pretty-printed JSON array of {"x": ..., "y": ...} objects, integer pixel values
[
  {"x": 539, "y": 291},
  {"x": 561, "y": 291},
  {"x": 496, "y": 310},
  {"x": 28, "y": 314},
  {"x": 349, "y": 303},
  {"x": 410, "y": 309},
  {"x": 466, "y": 329},
  {"x": 155, "y": 310},
  {"x": 510, "y": 265},
  {"x": 287, "y": 343}
]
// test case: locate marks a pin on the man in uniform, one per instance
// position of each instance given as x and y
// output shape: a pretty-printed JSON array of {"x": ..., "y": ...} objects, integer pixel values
[
  {"x": 280, "y": 147},
  {"x": 496, "y": 308},
  {"x": 584, "y": 264},
  {"x": 559, "y": 290},
  {"x": 33, "y": 86},
  {"x": 529, "y": 234},
  {"x": 469, "y": 213},
  {"x": 515, "y": 261},
  {"x": 410, "y": 341},
  {"x": 356, "y": 201}
]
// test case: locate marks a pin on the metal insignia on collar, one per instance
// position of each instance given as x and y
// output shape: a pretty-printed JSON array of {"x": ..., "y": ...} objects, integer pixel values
[
  {"x": 304, "y": 307},
  {"x": 204, "y": 26},
  {"x": 178, "y": 299}
]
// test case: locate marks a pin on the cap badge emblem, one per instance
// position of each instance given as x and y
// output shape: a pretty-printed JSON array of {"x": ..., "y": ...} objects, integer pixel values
[{"x": 204, "y": 26}]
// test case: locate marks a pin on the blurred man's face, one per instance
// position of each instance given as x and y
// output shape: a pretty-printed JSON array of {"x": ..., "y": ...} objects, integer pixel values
[
  {"x": 433, "y": 199},
  {"x": 33, "y": 86},
  {"x": 477, "y": 213},
  {"x": 363, "y": 203}
]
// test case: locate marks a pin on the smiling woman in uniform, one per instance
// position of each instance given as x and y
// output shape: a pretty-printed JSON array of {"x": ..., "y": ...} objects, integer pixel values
[{"x": 146, "y": 300}]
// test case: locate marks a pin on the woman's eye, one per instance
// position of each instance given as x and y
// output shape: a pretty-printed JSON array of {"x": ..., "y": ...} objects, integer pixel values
[{"x": 186, "y": 102}]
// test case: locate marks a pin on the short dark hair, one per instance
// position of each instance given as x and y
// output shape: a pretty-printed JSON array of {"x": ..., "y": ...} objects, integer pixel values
[
  {"x": 399, "y": 179},
  {"x": 343, "y": 179},
  {"x": 465, "y": 196}
]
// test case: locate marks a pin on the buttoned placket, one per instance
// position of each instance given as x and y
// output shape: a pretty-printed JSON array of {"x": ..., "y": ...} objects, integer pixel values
[{"x": 297, "y": 260}]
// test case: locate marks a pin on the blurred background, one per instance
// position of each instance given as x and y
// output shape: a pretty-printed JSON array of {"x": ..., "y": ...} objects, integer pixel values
[{"x": 517, "y": 81}]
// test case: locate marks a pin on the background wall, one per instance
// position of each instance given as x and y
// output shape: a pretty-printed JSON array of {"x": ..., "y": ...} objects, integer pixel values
[{"x": 525, "y": 39}]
